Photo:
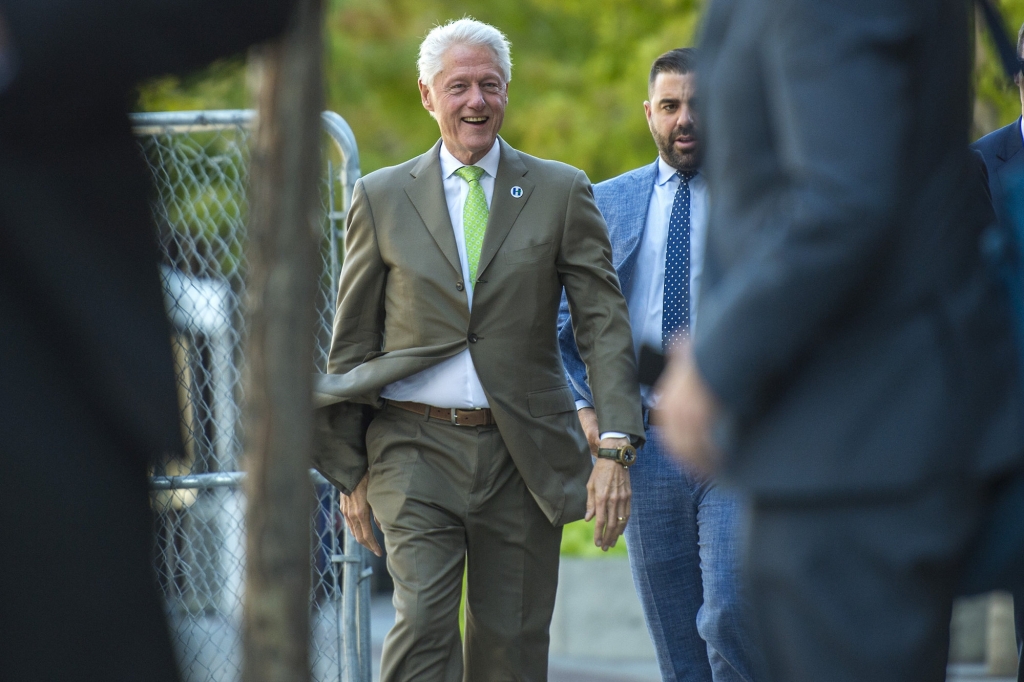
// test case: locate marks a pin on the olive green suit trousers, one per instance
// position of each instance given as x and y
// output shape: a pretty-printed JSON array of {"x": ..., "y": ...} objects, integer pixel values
[{"x": 450, "y": 500}]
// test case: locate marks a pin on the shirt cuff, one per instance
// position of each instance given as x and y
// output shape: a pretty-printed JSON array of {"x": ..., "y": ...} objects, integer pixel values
[
  {"x": 614, "y": 434},
  {"x": 581, "y": 403}
]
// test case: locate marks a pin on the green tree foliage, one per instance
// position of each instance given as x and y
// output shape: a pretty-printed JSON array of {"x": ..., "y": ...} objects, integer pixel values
[
  {"x": 220, "y": 86},
  {"x": 578, "y": 541},
  {"x": 577, "y": 92},
  {"x": 579, "y": 76},
  {"x": 578, "y": 85}
]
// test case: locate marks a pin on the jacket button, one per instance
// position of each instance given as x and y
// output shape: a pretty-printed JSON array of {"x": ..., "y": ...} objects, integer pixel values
[
  {"x": 460, "y": 286},
  {"x": 473, "y": 338}
]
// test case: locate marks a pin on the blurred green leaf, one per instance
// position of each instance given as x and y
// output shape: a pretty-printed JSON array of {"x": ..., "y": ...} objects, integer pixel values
[
  {"x": 577, "y": 92},
  {"x": 578, "y": 541},
  {"x": 578, "y": 84}
]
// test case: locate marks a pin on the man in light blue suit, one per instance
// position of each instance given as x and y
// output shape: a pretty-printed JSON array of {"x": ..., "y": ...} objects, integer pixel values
[{"x": 683, "y": 534}]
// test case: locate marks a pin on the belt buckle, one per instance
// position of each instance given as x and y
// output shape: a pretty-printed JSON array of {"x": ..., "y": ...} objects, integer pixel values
[{"x": 455, "y": 414}]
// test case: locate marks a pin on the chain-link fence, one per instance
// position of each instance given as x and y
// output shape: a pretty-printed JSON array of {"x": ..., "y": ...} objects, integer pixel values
[{"x": 200, "y": 163}]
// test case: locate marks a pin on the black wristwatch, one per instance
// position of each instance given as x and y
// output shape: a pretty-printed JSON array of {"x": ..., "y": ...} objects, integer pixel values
[{"x": 626, "y": 455}]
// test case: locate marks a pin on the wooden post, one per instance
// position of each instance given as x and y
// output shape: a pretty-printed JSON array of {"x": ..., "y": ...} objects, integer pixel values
[{"x": 282, "y": 283}]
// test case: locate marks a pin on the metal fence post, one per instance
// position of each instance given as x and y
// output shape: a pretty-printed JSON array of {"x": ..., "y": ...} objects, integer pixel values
[
  {"x": 350, "y": 607},
  {"x": 200, "y": 163}
]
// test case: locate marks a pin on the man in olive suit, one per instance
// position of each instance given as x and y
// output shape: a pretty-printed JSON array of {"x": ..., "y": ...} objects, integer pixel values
[{"x": 446, "y": 409}]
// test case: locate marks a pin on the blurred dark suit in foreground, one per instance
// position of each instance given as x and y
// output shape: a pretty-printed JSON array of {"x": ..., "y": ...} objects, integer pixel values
[
  {"x": 87, "y": 392},
  {"x": 857, "y": 345},
  {"x": 1003, "y": 152}
]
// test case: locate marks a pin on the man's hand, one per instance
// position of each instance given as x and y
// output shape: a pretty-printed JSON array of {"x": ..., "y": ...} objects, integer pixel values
[
  {"x": 588, "y": 420},
  {"x": 608, "y": 497},
  {"x": 359, "y": 517},
  {"x": 686, "y": 411}
]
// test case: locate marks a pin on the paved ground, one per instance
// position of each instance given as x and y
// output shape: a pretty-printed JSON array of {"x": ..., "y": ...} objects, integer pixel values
[
  {"x": 577, "y": 670},
  {"x": 973, "y": 673},
  {"x": 382, "y": 617}
]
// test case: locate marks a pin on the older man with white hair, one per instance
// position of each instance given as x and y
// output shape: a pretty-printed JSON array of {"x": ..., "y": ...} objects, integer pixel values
[{"x": 447, "y": 414}]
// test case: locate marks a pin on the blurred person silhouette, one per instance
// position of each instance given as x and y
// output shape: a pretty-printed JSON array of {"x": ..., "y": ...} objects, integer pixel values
[
  {"x": 445, "y": 337},
  {"x": 1003, "y": 153},
  {"x": 683, "y": 535},
  {"x": 87, "y": 389},
  {"x": 853, "y": 370}
]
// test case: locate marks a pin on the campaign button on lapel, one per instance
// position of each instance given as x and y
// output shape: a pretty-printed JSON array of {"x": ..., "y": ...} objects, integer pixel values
[{"x": 517, "y": 191}]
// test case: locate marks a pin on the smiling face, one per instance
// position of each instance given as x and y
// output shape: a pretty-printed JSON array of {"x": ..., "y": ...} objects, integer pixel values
[
  {"x": 673, "y": 121},
  {"x": 468, "y": 99}
]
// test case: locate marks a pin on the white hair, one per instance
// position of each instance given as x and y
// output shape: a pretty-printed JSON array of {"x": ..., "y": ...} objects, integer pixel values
[{"x": 464, "y": 31}]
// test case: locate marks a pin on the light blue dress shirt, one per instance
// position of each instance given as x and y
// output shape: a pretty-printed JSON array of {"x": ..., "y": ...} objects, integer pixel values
[{"x": 646, "y": 297}]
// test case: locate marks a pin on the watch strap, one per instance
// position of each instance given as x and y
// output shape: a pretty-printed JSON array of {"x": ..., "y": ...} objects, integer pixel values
[{"x": 626, "y": 455}]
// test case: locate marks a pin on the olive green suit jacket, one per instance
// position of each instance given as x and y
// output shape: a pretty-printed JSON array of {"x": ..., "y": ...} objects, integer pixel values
[{"x": 402, "y": 308}]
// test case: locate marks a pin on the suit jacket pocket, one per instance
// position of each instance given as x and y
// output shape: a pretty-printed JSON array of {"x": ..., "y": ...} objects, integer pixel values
[
  {"x": 550, "y": 401},
  {"x": 528, "y": 253}
]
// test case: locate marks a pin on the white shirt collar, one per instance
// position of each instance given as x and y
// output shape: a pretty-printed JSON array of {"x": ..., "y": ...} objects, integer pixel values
[
  {"x": 449, "y": 164},
  {"x": 665, "y": 171}
]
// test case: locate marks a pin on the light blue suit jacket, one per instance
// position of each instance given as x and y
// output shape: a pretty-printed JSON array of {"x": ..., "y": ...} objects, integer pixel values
[{"x": 624, "y": 202}]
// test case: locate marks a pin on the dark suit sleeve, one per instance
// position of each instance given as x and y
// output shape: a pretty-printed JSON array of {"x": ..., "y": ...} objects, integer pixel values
[
  {"x": 340, "y": 452},
  {"x": 980, "y": 168},
  {"x": 838, "y": 86},
  {"x": 598, "y": 313}
]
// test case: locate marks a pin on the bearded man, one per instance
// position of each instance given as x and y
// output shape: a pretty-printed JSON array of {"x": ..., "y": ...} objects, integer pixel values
[{"x": 682, "y": 537}]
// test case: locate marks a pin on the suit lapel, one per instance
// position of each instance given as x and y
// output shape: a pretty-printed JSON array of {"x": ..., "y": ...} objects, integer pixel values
[
  {"x": 1012, "y": 142},
  {"x": 1010, "y": 172},
  {"x": 505, "y": 208},
  {"x": 635, "y": 223},
  {"x": 426, "y": 191}
]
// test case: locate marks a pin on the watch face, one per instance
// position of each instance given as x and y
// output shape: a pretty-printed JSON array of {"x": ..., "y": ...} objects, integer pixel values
[{"x": 628, "y": 456}]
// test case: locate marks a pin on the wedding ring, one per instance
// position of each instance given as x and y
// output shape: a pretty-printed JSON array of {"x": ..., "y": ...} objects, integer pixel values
[{"x": 622, "y": 518}]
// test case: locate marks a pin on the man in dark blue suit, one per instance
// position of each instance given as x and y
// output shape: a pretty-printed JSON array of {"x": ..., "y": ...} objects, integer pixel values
[
  {"x": 853, "y": 368},
  {"x": 1003, "y": 152}
]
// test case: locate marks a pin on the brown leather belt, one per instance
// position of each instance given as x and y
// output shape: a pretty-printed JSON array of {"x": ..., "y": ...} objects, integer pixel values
[{"x": 472, "y": 417}]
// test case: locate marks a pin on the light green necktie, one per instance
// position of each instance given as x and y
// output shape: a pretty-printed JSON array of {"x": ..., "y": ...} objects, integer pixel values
[{"x": 474, "y": 217}]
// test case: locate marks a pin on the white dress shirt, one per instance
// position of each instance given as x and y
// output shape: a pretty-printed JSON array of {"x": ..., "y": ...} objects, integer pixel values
[
  {"x": 646, "y": 297},
  {"x": 453, "y": 382}
]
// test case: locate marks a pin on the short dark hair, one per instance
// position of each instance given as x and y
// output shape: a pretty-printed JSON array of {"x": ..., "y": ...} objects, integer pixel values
[{"x": 682, "y": 60}]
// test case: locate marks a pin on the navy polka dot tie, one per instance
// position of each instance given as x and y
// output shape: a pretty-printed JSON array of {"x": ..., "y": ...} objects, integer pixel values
[{"x": 675, "y": 310}]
